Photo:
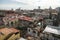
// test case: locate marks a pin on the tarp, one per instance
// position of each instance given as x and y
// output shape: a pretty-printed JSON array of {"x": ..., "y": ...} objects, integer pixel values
[{"x": 52, "y": 29}]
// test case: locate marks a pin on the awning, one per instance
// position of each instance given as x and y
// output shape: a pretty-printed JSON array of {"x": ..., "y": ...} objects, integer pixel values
[{"x": 52, "y": 29}]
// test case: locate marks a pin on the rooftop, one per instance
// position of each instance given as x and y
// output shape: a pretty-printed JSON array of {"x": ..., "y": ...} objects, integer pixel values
[{"x": 7, "y": 31}]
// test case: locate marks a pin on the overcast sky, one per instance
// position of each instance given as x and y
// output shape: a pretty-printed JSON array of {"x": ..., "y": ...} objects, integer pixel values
[{"x": 28, "y": 4}]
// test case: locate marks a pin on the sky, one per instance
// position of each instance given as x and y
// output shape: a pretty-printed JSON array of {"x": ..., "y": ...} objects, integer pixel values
[{"x": 28, "y": 4}]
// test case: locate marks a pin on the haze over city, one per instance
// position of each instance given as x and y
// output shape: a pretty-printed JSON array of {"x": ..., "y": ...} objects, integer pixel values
[
  {"x": 28, "y": 4},
  {"x": 29, "y": 19}
]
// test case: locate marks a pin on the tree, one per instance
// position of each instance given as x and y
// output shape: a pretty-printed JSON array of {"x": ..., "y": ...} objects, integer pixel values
[{"x": 50, "y": 12}]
